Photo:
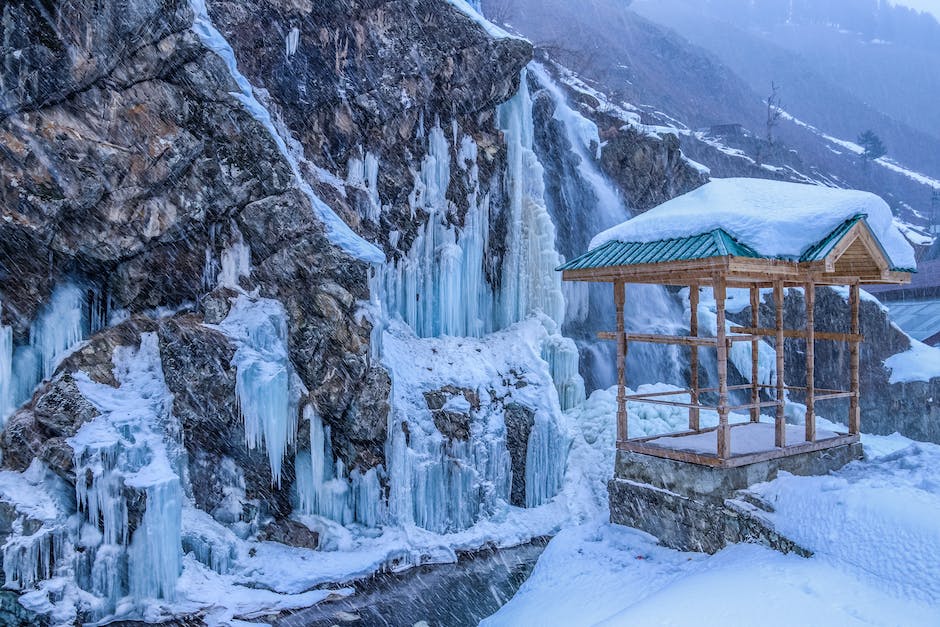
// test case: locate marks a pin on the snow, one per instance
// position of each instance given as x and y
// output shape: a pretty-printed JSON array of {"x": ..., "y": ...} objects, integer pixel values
[
  {"x": 491, "y": 29},
  {"x": 449, "y": 485},
  {"x": 920, "y": 362},
  {"x": 914, "y": 234},
  {"x": 338, "y": 231},
  {"x": 748, "y": 438},
  {"x": 777, "y": 219},
  {"x": 871, "y": 525},
  {"x": 885, "y": 161}
]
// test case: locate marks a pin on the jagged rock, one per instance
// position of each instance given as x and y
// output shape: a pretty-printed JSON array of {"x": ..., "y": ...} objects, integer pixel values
[
  {"x": 292, "y": 533},
  {"x": 57, "y": 409},
  {"x": 198, "y": 371},
  {"x": 519, "y": 423},
  {"x": 649, "y": 170}
]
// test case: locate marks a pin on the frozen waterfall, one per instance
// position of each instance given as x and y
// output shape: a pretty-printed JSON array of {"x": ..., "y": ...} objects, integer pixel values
[
  {"x": 72, "y": 314},
  {"x": 266, "y": 394},
  {"x": 324, "y": 488},
  {"x": 126, "y": 463}
]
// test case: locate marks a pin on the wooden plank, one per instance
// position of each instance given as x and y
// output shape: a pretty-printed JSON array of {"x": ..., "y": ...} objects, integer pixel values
[
  {"x": 827, "y": 397},
  {"x": 757, "y": 405},
  {"x": 855, "y": 417},
  {"x": 743, "y": 386},
  {"x": 724, "y": 433},
  {"x": 694, "y": 415},
  {"x": 656, "y": 401},
  {"x": 755, "y": 348},
  {"x": 780, "y": 430},
  {"x": 652, "y": 338},
  {"x": 795, "y": 449},
  {"x": 800, "y": 334},
  {"x": 809, "y": 294},
  {"x": 622, "y": 425}
]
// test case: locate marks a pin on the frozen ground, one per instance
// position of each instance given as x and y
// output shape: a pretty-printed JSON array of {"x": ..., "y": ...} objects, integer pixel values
[{"x": 873, "y": 527}]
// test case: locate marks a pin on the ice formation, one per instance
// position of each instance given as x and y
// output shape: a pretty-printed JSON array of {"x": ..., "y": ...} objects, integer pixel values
[
  {"x": 324, "y": 488},
  {"x": 447, "y": 483},
  {"x": 7, "y": 402},
  {"x": 235, "y": 261},
  {"x": 72, "y": 313},
  {"x": 529, "y": 280},
  {"x": 439, "y": 287},
  {"x": 263, "y": 384},
  {"x": 124, "y": 458},
  {"x": 364, "y": 173}
]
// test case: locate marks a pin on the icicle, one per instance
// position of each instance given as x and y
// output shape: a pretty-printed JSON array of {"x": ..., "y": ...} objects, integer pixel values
[
  {"x": 562, "y": 357},
  {"x": 545, "y": 461},
  {"x": 236, "y": 260},
  {"x": 155, "y": 557},
  {"x": 121, "y": 457},
  {"x": 29, "y": 559},
  {"x": 263, "y": 374},
  {"x": 365, "y": 175},
  {"x": 60, "y": 326},
  {"x": 291, "y": 41},
  {"x": 7, "y": 388},
  {"x": 439, "y": 287}
]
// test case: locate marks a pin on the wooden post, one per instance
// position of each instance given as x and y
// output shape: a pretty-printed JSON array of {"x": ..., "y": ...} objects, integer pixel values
[
  {"x": 755, "y": 347},
  {"x": 724, "y": 430},
  {"x": 693, "y": 358},
  {"x": 810, "y": 297},
  {"x": 855, "y": 417},
  {"x": 619, "y": 299},
  {"x": 780, "y": 431}
]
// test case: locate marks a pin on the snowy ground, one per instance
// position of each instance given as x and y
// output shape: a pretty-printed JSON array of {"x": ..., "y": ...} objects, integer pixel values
[{"x": 874, "y": 527}]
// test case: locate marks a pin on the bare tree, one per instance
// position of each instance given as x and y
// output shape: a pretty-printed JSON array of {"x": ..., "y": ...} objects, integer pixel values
[{"x": 774, "y": 112}]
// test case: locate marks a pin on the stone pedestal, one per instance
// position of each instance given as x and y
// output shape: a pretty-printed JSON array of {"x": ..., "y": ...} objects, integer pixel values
[{"x": 700, "y": 508}]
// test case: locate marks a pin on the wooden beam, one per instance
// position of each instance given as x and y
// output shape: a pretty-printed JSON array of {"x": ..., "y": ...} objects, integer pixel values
[
  {"x": 639, "y": 398},
  {"x": 855, "y": 417},
  {"x": 800, "y": 334},
  {"x": 755, "y": 344},
  {"x": 780, "y": 432},
  {"x": 652, "y": 338},
  {"x": 622, "y": 426},
  {"x": 809, "y": 293},
  {"x": 694, "y": 415},
  {"x": 724, "y": 433}
]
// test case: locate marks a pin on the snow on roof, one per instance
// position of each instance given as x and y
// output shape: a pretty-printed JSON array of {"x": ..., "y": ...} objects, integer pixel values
[{"x": 775, "y": 218}]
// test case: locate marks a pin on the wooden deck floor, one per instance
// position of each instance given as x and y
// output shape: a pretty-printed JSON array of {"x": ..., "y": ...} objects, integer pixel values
[{"x": 751, "y": 442}]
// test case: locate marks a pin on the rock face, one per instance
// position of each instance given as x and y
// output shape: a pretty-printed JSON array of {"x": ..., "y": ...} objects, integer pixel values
[{"x": 130, "y": 166}]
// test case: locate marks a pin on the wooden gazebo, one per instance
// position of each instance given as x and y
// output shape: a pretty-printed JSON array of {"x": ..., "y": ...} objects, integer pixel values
[{"x": 848, "y": 255}]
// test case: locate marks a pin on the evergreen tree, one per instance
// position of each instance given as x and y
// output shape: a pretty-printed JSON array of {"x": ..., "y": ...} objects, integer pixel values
[{"x": 874, "y": 147}]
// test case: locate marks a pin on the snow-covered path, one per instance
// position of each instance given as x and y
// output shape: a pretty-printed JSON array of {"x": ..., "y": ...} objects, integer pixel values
[{"x": 874, "y": 527}]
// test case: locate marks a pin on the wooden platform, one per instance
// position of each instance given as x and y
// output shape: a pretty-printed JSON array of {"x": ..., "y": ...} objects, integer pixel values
[{"x": 751, "y": 442}]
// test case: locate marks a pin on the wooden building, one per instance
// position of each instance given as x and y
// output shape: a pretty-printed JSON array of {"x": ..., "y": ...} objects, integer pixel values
[{"x": 848, "y": 255}]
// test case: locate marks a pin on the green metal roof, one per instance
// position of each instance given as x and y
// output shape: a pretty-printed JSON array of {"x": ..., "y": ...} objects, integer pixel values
[
  {"x": 819, "y": 250},
  {"x": 716, "y": 243}
]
